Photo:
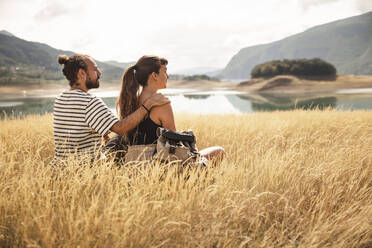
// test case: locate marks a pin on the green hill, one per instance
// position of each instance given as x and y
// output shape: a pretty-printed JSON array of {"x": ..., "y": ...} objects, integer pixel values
[
  {"x": 23, "y": 61},
  {"x": 6, "y": 33},
  {"x": 346, "y": 43}
]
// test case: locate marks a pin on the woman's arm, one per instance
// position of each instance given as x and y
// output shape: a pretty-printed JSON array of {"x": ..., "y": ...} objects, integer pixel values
[{"x": 163, "y": 115}]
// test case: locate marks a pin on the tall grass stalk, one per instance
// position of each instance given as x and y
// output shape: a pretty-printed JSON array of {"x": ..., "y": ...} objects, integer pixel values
[{"x": 291, "y": 179}]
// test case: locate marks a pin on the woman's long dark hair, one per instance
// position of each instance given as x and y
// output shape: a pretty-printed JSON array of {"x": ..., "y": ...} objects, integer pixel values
[{"x": 134, "y": 77}]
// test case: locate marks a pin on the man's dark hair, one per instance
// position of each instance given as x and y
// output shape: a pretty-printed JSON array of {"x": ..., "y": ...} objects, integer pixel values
[{"x": 71, "y": 66}]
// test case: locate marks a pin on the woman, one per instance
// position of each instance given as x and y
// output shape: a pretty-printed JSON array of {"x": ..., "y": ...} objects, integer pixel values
[{"x": 150, "y": 74}]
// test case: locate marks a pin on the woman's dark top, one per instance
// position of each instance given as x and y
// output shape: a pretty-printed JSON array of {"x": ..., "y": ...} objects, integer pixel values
[{"x": 144, "y": 133}]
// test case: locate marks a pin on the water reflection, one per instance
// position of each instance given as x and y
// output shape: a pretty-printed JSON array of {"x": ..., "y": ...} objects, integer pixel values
[
  {"x": 214, "y": 103},
  {"x": 355, "y": 103},
  {"x": 240, "y": 103},
  {"x": 197, "y": 96},
  {"x": 203, "y": 104},
  {"x": 266, "y": 102},
  {"x": 26, "y": 106}
]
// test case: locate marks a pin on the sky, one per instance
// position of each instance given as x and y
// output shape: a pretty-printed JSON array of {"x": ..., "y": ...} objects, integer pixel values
[{"x": 190, "y": 34}]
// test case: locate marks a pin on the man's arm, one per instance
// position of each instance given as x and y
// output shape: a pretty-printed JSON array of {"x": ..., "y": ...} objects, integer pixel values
[
  {"x": 128, "y": 123},
  {"x": 132, "y": 120}
]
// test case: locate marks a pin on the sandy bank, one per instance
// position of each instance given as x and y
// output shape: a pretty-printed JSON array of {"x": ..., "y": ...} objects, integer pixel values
[{"x": 289, "y": 84}]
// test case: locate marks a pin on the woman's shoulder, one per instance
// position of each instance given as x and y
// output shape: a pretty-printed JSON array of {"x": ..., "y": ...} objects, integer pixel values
[
  {"x": 159, "y": 113},
  {"x": 166, "y": 108}
]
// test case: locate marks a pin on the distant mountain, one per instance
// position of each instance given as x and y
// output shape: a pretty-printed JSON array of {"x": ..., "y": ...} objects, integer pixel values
[
  {"x": 214, "y": 73},
  {"x": 123, "y": 65},
  {"x": 6, "y": 33},
  {"x": 198, "y": 71},
  {"x": 23, "y": 61},
  {"x": 347, "y": 44}
]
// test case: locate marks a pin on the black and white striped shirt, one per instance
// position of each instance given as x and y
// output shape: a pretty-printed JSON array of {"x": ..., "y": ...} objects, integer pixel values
[{"x": 80, "y": 120}]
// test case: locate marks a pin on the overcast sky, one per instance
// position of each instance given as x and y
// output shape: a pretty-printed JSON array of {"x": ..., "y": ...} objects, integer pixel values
[{"x": 189, "y": 33}]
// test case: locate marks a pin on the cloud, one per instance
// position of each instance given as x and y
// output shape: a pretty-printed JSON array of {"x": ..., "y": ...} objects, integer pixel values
[
  {"x": 306, "y": 4},
  {"x": 82, "y": 42},
  {"x": 53, "y": 10},
  {"x": 364, "y": 5},
  {"x": 113, "y": 29}
]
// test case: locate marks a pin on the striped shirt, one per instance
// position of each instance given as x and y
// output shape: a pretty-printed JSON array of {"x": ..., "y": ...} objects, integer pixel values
[{"x": 79, "y": 122}]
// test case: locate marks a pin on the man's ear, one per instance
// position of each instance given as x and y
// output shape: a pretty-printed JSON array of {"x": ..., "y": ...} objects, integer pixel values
[{"x": 81, "y": 74}]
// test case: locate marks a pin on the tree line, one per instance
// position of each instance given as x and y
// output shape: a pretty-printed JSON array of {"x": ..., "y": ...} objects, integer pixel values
[{"x": 296, "y": 67}]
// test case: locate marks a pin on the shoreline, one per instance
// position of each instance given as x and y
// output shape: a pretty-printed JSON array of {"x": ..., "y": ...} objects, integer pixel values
[
  {"x": 54, "y": 89},
  {"x": 288, "y": 85},
  {"x": 279, "y": 85}
]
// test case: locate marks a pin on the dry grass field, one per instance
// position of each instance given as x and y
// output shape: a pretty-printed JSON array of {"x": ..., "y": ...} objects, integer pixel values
[{"x": 291, "y": 179}]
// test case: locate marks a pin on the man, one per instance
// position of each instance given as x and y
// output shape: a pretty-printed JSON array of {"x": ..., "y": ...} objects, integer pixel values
[{"x": 81, "y": 119}]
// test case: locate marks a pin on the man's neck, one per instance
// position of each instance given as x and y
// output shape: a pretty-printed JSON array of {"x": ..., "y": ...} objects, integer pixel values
[{"x": 79, "y": 86}]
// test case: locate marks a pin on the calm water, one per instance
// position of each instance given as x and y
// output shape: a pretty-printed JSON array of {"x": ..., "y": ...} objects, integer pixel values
[{"x": 214, "y": 102}]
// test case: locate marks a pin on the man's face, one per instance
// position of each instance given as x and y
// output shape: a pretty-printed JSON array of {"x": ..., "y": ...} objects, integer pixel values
[{"x": 93, "y": 75}]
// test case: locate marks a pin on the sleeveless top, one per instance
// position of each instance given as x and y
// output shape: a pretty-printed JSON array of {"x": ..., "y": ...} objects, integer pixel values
[{"x": 144, "y": 133}]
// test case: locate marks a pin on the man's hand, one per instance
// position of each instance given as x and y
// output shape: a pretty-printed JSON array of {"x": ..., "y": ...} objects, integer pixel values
[
  {"x": 106, "y": 139},
  {"x": 131, "y": 121},
  {"x": 156, "y": 99}
]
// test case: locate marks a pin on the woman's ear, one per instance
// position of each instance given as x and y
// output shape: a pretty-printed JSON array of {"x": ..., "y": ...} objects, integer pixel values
[{"x": 154, "y": 75}]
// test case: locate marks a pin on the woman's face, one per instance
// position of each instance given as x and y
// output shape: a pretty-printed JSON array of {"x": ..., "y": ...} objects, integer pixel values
[{"x": 162, "y": 77}]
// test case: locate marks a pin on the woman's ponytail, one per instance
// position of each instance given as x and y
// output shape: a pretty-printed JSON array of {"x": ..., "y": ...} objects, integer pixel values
[{"x": 127, "y": 102}]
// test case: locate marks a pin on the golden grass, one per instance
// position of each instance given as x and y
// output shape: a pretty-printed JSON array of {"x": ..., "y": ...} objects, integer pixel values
[{"x": 291, "y": 179}]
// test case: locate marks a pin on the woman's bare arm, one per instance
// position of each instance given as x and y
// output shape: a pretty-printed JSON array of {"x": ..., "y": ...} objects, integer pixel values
[{"x": 163, "y": 115}]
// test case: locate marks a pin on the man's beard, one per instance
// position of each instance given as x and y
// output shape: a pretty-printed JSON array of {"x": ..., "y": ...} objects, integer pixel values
[{"x": 90, "y": 84}]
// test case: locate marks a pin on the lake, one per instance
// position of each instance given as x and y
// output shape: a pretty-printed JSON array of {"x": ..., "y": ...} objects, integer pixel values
[{"x": 212, "y": 102}]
